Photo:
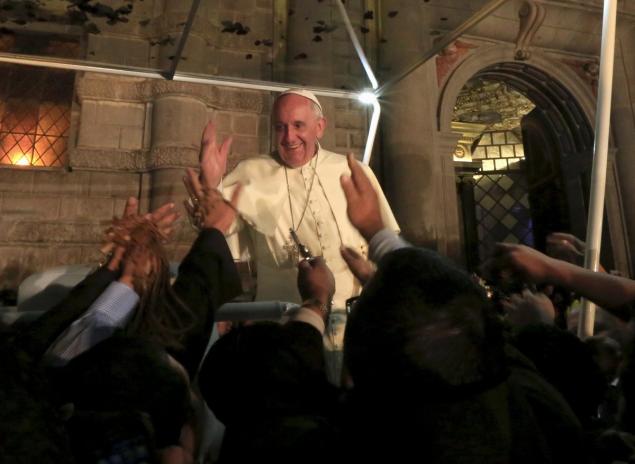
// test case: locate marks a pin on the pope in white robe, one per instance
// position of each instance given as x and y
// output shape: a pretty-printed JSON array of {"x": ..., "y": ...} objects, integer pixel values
[{"x": 295, "y": 188}]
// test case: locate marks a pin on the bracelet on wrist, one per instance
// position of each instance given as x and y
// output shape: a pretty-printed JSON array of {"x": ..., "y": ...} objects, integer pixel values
[{"x": 314, "y": 303}]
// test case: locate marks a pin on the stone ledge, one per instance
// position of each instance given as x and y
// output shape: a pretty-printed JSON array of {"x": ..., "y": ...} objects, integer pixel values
[
  {"x": 93, "y": 86},
  {"x": 137, "y": 161}
]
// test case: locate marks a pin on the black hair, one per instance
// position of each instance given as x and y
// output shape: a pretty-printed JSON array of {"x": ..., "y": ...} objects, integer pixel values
[
  {"x": 124, "y": 373},
  {"x": 422, "y": 321}
]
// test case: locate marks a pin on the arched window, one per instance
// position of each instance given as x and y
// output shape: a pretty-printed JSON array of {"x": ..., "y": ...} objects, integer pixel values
[{"x": 35, "y": 104}]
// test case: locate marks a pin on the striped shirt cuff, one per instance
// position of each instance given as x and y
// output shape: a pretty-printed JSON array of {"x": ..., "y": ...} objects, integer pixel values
[
  {"x": 115, "y": 303},
  {"x": 308, "y": 316},
  {"x": 383, "y": 242}
]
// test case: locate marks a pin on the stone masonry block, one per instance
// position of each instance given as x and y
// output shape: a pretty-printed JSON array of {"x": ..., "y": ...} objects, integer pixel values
[
  {"x": 342, "y": 104},
  {"x": 349, "y": 120},
  {"x": 114, "y": 184},
  {"x": 119, "y": 204},
  {"x": 245, "y": 145},
  {"x": 236, "y": 64},
  {"x": 120, "y": 50},
  {"x": 101, "y": 124},
  {"x": 223, "y": 121},
  {"x": 178, "y": 121},
  {"x": 98, "y": 209},
  {"x": 121, "y": 114},
  {"x": 98, "y": 135},
  {"x": 12, "y": 269},
  {"x": 68, "y": 255},
  {"x": 16, "y": 180},
  {"x": 341, "y": 138},
  {"x": 91, "y": 254},
  {"x": 131, "y": 138},
  {"x": 56, "y": 232},
  {"x": 358, "y": 140},
  {"x": 61, "y": 182},
  {"x": 245, "y": 124},
  {"x": 264, "y": 134},
  {"x": 238, "y": 5},
  {"x": 32, "y": 206}
]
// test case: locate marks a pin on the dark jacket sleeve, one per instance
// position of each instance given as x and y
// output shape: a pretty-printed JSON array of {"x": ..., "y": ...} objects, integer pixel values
[
  {"x": 207, "y": 279},
  {"x": 38, "y": 336}
]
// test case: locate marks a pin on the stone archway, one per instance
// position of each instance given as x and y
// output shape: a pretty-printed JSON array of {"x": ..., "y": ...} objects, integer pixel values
[{"x": 568, "y": 105}]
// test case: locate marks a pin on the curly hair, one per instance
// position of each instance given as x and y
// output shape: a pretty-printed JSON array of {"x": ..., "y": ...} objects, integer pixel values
[{"x": 161, "y": 316}]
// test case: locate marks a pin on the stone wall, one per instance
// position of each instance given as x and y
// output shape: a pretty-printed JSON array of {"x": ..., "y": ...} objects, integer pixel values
[{"x": 50, "y": 218}]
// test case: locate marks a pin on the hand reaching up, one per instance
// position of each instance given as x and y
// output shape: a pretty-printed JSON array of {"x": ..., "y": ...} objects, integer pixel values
[
  {"x": 118, "y": 234},
  {"x": 361, "y": 268},
  {"x": 316, "y": 283},
  {"x": 361, "y": 198},
  {"x": 213, "y": 158},
  {"x": 206, "y": 206}
]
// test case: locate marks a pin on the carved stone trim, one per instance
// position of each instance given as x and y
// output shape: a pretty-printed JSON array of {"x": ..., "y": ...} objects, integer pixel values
[
  {"x": 531, "y": 16},
  {"x": 171, "y": 157},
  {"x": 100, "y": 87},
  {"x": 446, "y": 143},
  {"x": 138, "y": 161},
  {"x": 450, "y": 56},
  {"x": 109, "y": 160}
]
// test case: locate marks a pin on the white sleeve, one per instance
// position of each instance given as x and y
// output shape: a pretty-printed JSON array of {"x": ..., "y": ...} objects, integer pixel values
[{"x": 111, "y": 310}]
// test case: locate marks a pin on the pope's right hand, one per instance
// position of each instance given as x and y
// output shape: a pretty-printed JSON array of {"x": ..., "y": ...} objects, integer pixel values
[{"x": 212, "y": 158}]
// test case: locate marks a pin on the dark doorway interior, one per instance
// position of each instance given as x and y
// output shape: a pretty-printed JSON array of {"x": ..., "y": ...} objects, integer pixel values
[{"x": 558, "y": 149}]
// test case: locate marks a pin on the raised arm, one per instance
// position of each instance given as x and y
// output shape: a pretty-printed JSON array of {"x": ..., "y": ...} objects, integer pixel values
[
  {"x": 213, "y": 157},
  {"x": 365, "y": 213},
  {"x": 207, "y": 275},
  {"x": 38, "y": 336},
  {"x": 603, "y": 289}
]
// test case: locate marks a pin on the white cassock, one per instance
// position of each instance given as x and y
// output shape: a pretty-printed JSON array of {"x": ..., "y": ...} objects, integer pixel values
[{"x": 310, "y": 200}]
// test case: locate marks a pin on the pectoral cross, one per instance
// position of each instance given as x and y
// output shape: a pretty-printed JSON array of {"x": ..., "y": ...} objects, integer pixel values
[{"x": 292, "y": 251}]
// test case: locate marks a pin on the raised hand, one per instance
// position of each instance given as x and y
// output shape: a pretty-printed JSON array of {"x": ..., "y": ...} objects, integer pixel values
[
  {"x": 139, "y": 266},
  {"x": 521, "y": 262},
  {"x": 213, "y": 158},
  {"x": 528, "y": 308},
  {"x": 359, "y": 266},
  {"x": 565, "y": 246},
  {"x": 315, "y": 281},
  {"x": 206, "y": 206},
  {"x": 363, "y": 204},
  {"x": 117, "y": 235}
]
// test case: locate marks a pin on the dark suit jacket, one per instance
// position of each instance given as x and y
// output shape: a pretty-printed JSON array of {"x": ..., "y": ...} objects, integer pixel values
[
  {"x": 267, "y": 384},
  {"x": 207, "y": 279}
]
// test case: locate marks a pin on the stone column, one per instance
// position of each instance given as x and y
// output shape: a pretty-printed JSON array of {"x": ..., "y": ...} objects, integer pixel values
[
  {"x": 417, "y": 158},
  {"x": 623, "y": 123},
  {"x": 449, "y": 241},
  {"x": 177, "y": 122}
]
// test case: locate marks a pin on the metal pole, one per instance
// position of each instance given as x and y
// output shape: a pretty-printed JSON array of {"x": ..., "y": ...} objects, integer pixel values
[
  {"x": 119, "y": 70},
  {"x": 372, "y": 132},
  {"x": 445, "y": 41},
  {"x": 357, "y": 45},
  {"x": 184, "y": 35},
  {"x": 600, "y": 159}
]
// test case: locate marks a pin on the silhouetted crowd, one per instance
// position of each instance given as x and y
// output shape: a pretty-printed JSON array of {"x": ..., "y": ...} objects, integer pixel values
[{"x": 439, "y": 365}]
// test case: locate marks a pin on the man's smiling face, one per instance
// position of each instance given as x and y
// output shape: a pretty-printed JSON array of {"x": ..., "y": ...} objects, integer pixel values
[{"x": 297, "y": 128}]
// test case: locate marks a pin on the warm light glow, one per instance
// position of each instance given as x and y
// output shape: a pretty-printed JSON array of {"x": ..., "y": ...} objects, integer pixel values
[
  {"x": 367, "y": 97},
  {"x": 19, "y": 158},
  {"x": 23, "y": 161}
]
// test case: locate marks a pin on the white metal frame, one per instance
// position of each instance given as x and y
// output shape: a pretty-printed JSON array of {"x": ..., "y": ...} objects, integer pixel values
[
  {"x": 598, "y": 181},
  {"x": 600, "y": 159}
]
